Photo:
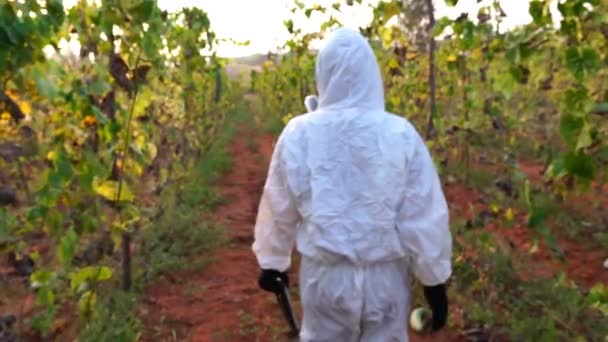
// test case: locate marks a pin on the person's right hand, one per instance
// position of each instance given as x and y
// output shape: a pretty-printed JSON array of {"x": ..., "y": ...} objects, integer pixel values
[
  {"x": 273, "y": 280},
  {"x": 437, "y": 299}
]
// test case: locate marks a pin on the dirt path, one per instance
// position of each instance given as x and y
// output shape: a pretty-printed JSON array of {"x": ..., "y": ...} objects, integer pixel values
[{"x": 222, "y": 302}]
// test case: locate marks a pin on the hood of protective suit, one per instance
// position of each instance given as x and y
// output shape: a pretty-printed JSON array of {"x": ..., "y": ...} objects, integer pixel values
[{"x": 347, "y": 73}]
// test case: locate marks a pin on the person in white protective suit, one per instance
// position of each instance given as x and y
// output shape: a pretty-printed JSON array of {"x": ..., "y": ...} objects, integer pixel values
[{"x": 356, "y": 190}]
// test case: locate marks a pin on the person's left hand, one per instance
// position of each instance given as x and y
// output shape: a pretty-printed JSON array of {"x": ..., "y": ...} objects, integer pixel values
[
  {"x": 269, "y": 280},
  {"x": 437, "y": 298}
]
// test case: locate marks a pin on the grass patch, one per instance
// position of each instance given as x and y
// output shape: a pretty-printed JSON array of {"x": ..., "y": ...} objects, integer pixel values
[
  {"x": 490, "y": 285},
  {"x": 114, "y": 320},
  {"x": 478, "y": 179},
  {"x": 273, "y": 124},
  {"x": 177, "y": 236}
]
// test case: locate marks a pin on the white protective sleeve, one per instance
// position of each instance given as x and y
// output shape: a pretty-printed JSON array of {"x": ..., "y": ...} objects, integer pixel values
[
  {"x": 423, "y": 220},
  {"x": 278, "y": 217}
]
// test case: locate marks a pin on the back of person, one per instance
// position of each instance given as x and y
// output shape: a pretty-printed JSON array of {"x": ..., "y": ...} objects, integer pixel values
[
  {"x": 349, "y": 182},
  {"x": 354, "y": 188}
]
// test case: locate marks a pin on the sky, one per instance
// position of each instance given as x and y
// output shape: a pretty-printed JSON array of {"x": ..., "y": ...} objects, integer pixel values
[{"x": 261, "y": 21}]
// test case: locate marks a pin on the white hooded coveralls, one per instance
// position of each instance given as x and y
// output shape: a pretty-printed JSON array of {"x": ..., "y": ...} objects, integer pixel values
[{"x": 356, "y": 190}]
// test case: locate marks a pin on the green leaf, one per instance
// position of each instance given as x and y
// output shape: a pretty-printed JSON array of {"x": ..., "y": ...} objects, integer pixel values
[
  {"x": 557, "y": 169},
  {"x": 506, "y": 84},
  {"x": 8, "y": 223},
  {"x": 67, "y": 247},
  {"x": 572, "y": 8},
  {"x": 576, "y": 99},
  {"x": 513, "y": 55},
  {"x": 35, "y": 213},
  {"x": 537, "y": 11},
  {"x": 143, "y": 11},
  {"x": 582, "y": 63},
  {"x": 600, "y": 108},
  {"x": 41, "y": 278},
  {"x": 101, "y": 118},
  {"x": 598, "y": 294},
  {"x": 591, "y": 59},
  {"x": 441, "y": 25},
  {"x": 63, "y": 166},
  {"x": 43, "y": 321},
  {"x": 468, "y": 35},
  {"x": 570, "y": 128},
  {"x": 46, "y": 296},
  {"x": 580, "y": 165},
  {"x": 149, "y": 45},
  {"x": 536, "y": 217},
  {"x": 289, "y": 25},
  {"x": 527, "y": 197},
  {"x": 451, "y": 2},
  {"x": 569, "y": 27},
  {"x": 518, "y": 74},
  {"x": 45, "y": 88},
  {"x": 99, "y": 87},
  {"x": 573, "y": 63}
]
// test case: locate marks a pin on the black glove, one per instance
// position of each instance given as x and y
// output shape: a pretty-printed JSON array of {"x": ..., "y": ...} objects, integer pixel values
[
  {"x": 437, "y": 298},
  {"x": 268, "y": 280}
]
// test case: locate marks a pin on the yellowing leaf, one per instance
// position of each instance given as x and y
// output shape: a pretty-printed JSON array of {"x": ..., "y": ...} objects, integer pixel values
[
  {"x": 476, "y": 53},
  {"x": 131, "y": 166},
  {"x": 393, "y": 63},
  {"x": 494, "y": 208},
  {"x": 163, "y": 176},
  {"x": 25, "y": 107},
  {"x": 287, "y": 118},
  {"x": 35, "y": 256},
  {"x": 411, "y": 55},
  {"x": 51, "y": 155},
  {"x": 512, "y": 140},
  {"x": 108, "y": 189},
  {"x": 143, "y": 146},
  {"x": 452, "y": 58},
  {"x": 124, "y": 226},
  {"x": 12, "y": 93},
  {"x": 509, "y": 214},
  {"x": 585, "y": 139},
  {"x": 89, "y": 121},
  {"x": 152, "y": 151},
  {"x": 79, "y": 280},
  {"x": 395, "y": 100},
  {"x": 534, "y": 248},
  {"x": 86, "y": 303}
]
